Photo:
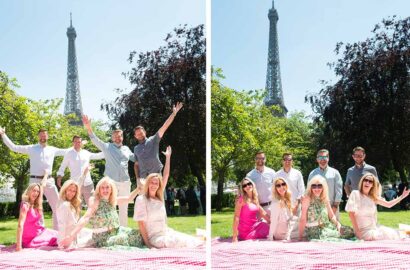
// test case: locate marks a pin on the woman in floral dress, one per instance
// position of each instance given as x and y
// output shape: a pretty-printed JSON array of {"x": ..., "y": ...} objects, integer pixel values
[
  {"x": 318, "y": 220},
  {"x": 103, "y": 218}
]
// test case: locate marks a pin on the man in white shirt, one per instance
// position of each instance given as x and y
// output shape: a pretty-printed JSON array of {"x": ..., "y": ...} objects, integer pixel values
[
  {"x": 262, "y": 176},
  {"x": 41, "y": 160},
  {"x": 77, "y": 159},
  {"x": 293, "y": 178}
]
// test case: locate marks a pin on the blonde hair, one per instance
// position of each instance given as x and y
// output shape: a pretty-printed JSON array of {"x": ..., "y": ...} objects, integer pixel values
[
  {"x": 38, "y": 203},
  {"x": 374, "y": 190},
  {"x": 324, "y": 196},
  {"x": 255, "y": 197},
  {"x": 286, "y": 199},
  {"x": 160, "y": 191},
  {"x": 113, "y": 196},
  {"x": 75, "y": 202}
]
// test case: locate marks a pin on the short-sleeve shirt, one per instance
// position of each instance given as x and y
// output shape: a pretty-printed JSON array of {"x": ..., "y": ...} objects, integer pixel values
[
  {"x": 354, "y": 174},
  {"x": 146, "y": 154}
]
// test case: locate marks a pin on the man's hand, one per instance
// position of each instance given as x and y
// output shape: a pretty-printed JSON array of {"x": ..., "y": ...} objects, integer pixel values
[{"x": 87, "y": 122}]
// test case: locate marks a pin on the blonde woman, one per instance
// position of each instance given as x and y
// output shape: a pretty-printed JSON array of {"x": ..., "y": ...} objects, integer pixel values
[
  {"x": 104, "y": 220},
  {"x": 282, "y": 220},
  {"x": 151, "y": 216},
  {"x": 69, "y": 208},
  {"x": 246, "y": 224},
  {"x": 362, "y": 208},
  {"x": 30, "y": 231},
  {"x": 318, "y": 220}
]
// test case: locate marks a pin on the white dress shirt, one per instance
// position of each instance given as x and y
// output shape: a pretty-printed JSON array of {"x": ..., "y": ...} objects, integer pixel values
[
  {"x": 263, "y": 181},
  {"x": 41, "y": 158},
  {"x": 77, "y": 162},
  {"x": 294, "y": 179}
]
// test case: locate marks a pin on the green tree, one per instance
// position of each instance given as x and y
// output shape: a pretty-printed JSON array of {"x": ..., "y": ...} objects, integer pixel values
[
  {"x": 369, "y": 105},
  {"x": 174, "y": 72}
]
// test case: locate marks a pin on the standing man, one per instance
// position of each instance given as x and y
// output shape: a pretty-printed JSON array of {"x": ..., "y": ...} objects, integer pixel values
[
  {"x": 360, "y": 168},
  {"x": 41, "y": 160},
  {"x": 146, "y": 151},
  {"x": 333, "y": 179},
  {"x": 77, "y": 159},
  {"x": 116, "y": 156},
  {"x": 263, "y": 177},
  {"x": 293, "y": 178}
]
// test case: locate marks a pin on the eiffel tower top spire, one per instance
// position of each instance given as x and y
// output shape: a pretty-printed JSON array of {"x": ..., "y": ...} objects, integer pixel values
[
  {"x": 273, "y": 78},
  {"x": 73, "y": 97}
]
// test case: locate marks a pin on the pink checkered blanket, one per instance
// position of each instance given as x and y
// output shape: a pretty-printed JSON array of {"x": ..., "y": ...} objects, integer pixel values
[
  {"x": 265, "y": 254},
  {"x": 93, "y": 258}
]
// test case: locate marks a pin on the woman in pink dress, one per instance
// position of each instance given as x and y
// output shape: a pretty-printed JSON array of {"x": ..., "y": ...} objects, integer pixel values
[
  {"x": 246, "y": 224},
  {"x": 362, "y": 208},
  {"x": 30, "y": 231}
]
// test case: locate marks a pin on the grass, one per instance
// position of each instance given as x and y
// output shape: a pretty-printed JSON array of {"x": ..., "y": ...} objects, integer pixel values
[
  {"x": 185, "y": 224},
  {"x": 221, "y": 222}
]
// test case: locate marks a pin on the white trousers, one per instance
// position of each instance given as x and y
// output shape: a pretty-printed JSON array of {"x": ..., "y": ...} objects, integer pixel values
[{"x": 124, "y": 189}]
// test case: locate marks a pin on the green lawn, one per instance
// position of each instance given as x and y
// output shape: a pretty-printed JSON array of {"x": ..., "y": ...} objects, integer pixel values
[
  {"x": 221, "y": 222},
  {"x": 185, "y": 224}
]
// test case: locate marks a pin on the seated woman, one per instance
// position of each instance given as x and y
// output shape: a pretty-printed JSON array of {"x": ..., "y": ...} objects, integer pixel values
[
  {"x": 246, "y": 224},
  {"x": 362, "y": 208},
  {"x": 317, "y": 214},
  {"x": 30, "y": 231},
  {"x": 151, "y": 215},
  {"x": 68, "y": 210},
  {"x": 104, "y": 220},
  {"x": 282, "y": 221}
]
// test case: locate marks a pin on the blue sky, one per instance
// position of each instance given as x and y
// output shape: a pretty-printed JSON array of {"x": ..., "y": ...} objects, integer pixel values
[
  {"x": 33, "y": 42},
  {"x": 308, "y": 33}
]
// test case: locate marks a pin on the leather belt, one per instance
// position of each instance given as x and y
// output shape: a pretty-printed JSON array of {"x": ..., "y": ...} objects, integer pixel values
[
  {"x": 265, "y": 204},
  {"x": 39, "y": 177}
]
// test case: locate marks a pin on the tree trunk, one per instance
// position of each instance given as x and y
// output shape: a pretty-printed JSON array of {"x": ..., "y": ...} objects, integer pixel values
[
  {"x": 400, "y": 169},
  {"x": 195, "y": 171},
  {"x": 19, "y": 191},
  {"x": 219, "y": 196}
]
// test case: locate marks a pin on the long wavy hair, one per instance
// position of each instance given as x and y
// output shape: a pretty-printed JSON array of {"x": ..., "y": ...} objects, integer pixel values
[
  {"x": 374, "y": 190},
  {"x": 38, "y": 202},
  {"x": 75, "y": 202},
  {"x": 255, "y": 198},
  {"x": 113, "y": 196},
  {"x": 160, "y": 191},
  {"x": 318, "y": 179},
  {"x": 286, "y": 200}
]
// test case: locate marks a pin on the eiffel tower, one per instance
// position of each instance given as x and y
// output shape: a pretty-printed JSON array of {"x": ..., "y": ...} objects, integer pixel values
[
  {"x": 72, "y": 97},
  {"x": 273, "y": 80}
]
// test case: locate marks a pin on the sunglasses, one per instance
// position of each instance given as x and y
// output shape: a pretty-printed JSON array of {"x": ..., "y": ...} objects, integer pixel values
[
  {"x": 280, "y": 185},
  {"x": 287, "y": 159},
  {"x": 322, "y": 157},
  {"x": 317, "y": 186},
  {"x": 247, "y": 184},
  {"x": 368, "y": 180}
]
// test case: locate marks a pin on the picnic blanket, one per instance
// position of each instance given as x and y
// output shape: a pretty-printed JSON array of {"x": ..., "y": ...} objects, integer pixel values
[
  {"x": 263, "y": 254},
  {"x": 93, "y": 258}
]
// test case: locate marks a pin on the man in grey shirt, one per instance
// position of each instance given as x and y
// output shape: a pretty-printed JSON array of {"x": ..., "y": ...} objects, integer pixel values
[
  {"x": 116, "y": 156},
  {"x": 360, "y": 168},
  {"x": 146, "y": 151}
]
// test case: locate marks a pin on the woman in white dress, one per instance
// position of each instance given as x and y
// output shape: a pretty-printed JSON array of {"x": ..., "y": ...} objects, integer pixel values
[
  {"x": 282, "y": 221},
  {"x": 68, "y": 214},
  {"x": 151, "y": 215},
  {"x": 362, "y": 208}
]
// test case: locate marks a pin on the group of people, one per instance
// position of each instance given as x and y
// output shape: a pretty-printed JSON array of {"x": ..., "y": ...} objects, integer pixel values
[
  {"x": 108, "y": 228},
  {"x": 277, "y": 206}
]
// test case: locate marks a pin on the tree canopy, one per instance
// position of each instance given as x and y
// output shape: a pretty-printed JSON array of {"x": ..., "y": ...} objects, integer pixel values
[{"x": 369, "y": 105}]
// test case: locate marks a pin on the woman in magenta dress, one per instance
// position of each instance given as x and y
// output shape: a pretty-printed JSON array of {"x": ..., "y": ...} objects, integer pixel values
[
  {"x": 30, "y": 231},
  {"x": 246, "y": 224}
]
